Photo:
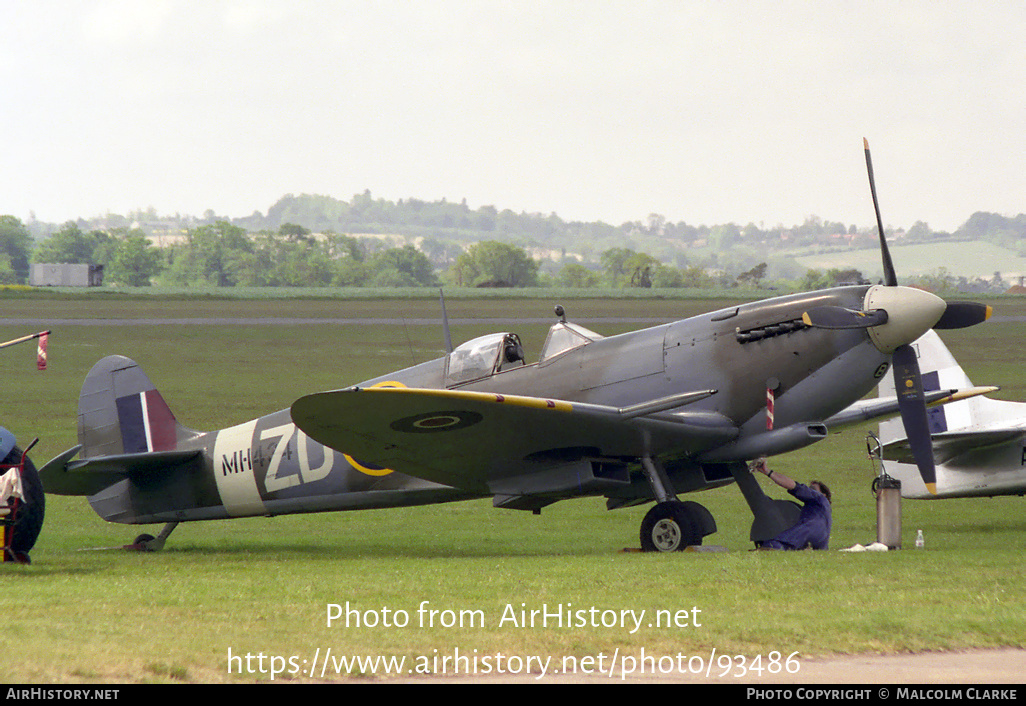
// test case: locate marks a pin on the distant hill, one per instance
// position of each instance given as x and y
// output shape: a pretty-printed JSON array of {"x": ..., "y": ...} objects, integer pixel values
[{"x": 969, "y": 259}]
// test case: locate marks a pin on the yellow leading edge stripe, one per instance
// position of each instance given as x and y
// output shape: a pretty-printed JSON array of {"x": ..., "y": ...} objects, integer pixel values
[
  {"x": 362, "y": 467},
  {"x": 494, "y": 397}
]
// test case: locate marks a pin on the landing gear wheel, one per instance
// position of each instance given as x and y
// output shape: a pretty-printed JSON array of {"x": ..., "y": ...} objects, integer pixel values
[
  {"x": 149, "y": 543},
  {"x": 141, "y": 542},
  {"x": 671, "y": 526}
]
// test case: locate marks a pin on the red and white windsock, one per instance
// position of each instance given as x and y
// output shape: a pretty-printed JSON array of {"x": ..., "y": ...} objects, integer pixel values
[
  {"x": 769, "y": 408},
  {"x": 41, "y": 351}
]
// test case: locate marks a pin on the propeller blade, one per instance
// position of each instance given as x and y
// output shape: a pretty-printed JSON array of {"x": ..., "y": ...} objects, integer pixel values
[
  {"x": 963, "y": 314},
  {"x": 909, "y": 386},
  {"x": 837, "y": 317},
  {"x": 890, "y": 279}
]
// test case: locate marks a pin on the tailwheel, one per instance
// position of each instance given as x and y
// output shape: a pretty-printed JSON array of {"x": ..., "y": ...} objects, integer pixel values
[
  {"x": 149, "y": 543},
  {"x": 673, "y": 526},
  {"x": 141, "y": 543}
]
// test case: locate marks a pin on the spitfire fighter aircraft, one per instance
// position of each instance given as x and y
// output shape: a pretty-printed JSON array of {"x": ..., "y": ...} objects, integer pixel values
[
  {"x": 636, "y": 417},
  {"x": 979, "y": 444}
]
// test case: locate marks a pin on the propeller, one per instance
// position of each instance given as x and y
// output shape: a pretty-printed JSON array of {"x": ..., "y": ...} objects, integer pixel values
[
  {"x": 890, "y": 279},
  {"x": 908, "y": 382},
  {"x": 955, "y": 315},
  {"x": 911, "y": 310},
  {"x": 963, "y": 315}
]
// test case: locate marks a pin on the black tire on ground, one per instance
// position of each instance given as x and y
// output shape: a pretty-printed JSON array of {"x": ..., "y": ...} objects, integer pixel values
[
  {"x": 670, "y": 527},
  {"x": 141, "y": 541}
]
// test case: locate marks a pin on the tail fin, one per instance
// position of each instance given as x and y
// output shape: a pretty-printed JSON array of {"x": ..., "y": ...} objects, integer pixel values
[
  {"x": 939, "y": 371},
  {"x": 121, "y": 412},
  {"x": 958, "y": 430}
]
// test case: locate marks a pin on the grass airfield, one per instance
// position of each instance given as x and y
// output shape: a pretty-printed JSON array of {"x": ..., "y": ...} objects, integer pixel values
[{"x": 261, "y": 587}]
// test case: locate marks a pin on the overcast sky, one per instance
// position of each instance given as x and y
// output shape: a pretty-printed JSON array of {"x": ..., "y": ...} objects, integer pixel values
[{"x": 704, "y": 112}]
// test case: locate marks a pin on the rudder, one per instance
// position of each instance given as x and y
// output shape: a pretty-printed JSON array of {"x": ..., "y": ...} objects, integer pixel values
[
  {"x": 939, "y": 370},
  {"x": 121, "y": 412}
]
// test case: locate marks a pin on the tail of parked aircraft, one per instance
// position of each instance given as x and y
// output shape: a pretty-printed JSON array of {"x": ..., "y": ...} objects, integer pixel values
[
  {"x": 121, "y": 412},
  {"x": 126, "y": 432},
  {"x": 977, "y": 442}
]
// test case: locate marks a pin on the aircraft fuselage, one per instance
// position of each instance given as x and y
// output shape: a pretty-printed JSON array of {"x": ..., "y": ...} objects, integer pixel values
[{"x": 268, "y": 466}]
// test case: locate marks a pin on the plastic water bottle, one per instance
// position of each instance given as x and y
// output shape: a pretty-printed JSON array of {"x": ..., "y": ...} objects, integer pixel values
[{"x": 919, "y": 539}]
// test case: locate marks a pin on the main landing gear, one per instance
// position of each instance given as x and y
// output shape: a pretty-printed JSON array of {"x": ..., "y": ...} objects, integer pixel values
[
  {"x": 671, "y": 525},
  {"x": 771, "y": 516}
]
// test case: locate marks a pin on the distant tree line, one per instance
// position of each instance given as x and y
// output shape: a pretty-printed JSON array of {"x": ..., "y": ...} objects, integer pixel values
[
  {"x": 15, "y": 248},
  {"x": 225, "y": 255},
  {"x": 319, "y": 241}
]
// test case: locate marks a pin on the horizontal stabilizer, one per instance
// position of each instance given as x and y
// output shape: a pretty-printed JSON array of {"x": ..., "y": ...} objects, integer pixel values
[
  {"x": 949, "y": 446},
  {"x": 62, "y": 476}
]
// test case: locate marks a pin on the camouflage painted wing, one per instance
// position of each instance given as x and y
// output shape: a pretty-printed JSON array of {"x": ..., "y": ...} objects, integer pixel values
[{"x": 478, "y": 440}]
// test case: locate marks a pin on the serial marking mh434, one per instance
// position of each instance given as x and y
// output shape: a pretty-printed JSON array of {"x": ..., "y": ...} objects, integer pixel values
[{"x": 636, "y": 417}]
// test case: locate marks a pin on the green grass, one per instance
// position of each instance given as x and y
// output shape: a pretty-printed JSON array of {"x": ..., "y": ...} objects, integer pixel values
[{"x": 263, "y": 585}]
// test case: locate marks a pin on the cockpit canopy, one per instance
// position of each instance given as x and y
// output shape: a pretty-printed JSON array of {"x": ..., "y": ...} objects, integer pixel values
[
  {"x": 483, "y": 356},
  {"x": 564, "y": 337},
  {"x": 486, "y": 355}
]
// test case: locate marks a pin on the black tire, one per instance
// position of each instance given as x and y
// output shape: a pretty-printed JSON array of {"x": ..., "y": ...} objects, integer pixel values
[
  {"x": 142, "y": 542},
  {"x": 29, "y": 521},
  {"x": 670, "y": 527}
]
